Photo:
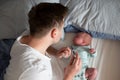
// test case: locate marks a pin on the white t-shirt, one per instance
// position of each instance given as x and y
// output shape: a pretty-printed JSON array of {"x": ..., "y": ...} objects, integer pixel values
[{"x": 28, "y": 64}]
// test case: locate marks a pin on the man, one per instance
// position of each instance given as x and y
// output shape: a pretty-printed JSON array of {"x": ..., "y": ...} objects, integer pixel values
[{"x": 29, "y": 59}]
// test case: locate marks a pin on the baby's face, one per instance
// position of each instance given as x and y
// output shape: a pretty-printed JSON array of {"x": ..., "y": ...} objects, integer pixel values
[{"x": 82, "y": 39}]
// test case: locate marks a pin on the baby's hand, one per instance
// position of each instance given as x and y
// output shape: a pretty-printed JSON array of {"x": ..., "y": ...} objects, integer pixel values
[
  {"x": 64, "y": 52},
  {"x": 92, "y": 51}
]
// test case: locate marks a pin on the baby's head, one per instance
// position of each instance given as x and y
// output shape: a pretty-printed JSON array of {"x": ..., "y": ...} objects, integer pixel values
[{"x": 82, "y": 39}]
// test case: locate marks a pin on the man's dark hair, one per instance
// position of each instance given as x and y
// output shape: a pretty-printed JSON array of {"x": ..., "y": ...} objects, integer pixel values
[{"x": 44, "y": 16}]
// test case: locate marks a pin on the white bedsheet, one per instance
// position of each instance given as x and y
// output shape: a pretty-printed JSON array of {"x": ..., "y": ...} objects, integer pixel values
[
  {"x": 101, "y": 16},
  {"x": 106, "y": 62}
]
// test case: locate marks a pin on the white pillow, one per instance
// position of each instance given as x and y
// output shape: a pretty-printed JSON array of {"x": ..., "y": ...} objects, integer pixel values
[
  {"x": 13, "y": 16},
  {"x": 101, "y": 16}
]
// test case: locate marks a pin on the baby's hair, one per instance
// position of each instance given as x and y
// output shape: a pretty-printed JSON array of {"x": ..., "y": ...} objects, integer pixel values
[
  {"x": 86, "y": 32},
  {"x": 89, "y": 34}
]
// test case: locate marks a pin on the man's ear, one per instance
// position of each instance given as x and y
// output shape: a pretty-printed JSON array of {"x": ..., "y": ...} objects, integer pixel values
[{"x": 54, "y": 32}]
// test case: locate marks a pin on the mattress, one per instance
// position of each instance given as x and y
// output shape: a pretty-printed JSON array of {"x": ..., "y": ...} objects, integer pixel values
[{"x": 106, "y": 62}]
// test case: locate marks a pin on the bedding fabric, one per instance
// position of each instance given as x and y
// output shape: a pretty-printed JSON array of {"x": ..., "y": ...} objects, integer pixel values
[
  {"x": 98, "y": 16},
  {"x": 5, "y": 46},
  {"x": 107, "y": 60},
  {"x": 94, "y": 34}
]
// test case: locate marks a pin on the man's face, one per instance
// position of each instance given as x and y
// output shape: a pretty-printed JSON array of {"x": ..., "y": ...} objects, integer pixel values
[{"x": 59, "y": 32}]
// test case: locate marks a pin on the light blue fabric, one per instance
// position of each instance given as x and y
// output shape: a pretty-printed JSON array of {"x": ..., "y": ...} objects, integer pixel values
[
  {"x": 94, "y": 34},
  {"x": 84, "y": 54}
]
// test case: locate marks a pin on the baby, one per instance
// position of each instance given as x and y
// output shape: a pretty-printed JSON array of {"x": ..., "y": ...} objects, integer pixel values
[{"x": 81, "y": 44}]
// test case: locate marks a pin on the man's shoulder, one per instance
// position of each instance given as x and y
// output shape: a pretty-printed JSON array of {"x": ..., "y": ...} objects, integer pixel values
[{"x": 18, "y": 48}]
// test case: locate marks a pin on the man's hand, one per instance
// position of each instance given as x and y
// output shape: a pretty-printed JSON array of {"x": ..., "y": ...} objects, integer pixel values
[
  {"x": 73, "y": 68},
  {"x": 92, "y": 51},
  {"x": 63, "y": 52}
]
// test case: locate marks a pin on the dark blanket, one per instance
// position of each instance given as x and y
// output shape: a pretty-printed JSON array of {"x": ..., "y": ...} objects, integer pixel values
[{"x": 5, "y": 47}]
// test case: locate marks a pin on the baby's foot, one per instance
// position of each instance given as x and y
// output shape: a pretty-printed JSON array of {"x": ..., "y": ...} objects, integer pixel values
[{"x": 91, "y": 73}]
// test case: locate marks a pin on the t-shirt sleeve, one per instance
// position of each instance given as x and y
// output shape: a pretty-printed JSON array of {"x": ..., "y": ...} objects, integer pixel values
[{"x": 35, "y": 74}]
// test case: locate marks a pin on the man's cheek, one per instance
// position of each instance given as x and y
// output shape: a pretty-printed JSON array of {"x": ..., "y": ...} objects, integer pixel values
[{"x": 62, "y": 35}]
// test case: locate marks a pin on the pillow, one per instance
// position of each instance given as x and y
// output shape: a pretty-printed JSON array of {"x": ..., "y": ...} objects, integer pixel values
[
  {"x": 13, "y": 16},
  {"x": 99, "y": 16}
]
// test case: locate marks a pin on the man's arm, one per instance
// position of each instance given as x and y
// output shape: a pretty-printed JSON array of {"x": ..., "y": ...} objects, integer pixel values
[
  {"x": 52, "y": 51},
  {"x": 63, "y": 52},
  {"x": 73, "y": 67}
]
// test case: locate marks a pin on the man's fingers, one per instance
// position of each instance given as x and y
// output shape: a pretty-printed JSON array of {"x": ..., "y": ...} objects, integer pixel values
[
  {"x": 68, "y": 49},
  {"x": 62, "y": 54},
  {"x": 71, "y": 60},
  {"x": 77, "y": 60},
  {"x": 63, "y": 48},
  {"x": 65, "y": 52}
]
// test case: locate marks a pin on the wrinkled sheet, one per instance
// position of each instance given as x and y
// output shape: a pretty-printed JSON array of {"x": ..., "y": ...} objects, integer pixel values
[
  {"x": 100, "y": 17},
  {"x": 106, "y": 62}
]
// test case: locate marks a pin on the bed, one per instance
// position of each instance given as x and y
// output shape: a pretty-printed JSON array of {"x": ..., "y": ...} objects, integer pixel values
[
  {"x": 107, "y": 60},
  {"x": 101, "y": 18}
]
